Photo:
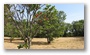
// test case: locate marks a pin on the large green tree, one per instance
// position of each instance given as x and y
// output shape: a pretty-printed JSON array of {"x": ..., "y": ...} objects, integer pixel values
[{"x": 51, "y": 23}]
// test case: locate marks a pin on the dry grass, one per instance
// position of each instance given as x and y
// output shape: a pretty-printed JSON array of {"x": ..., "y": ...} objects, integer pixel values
[{"x": 41, "y": 43}]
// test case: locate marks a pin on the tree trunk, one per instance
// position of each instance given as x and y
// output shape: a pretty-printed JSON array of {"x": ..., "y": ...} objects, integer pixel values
[
  {"x": 48, "y": 40},
  {"x": 10, "y": 40},
  {"x": 25, "y": 41},
  {"x": 28, "y": 42}
]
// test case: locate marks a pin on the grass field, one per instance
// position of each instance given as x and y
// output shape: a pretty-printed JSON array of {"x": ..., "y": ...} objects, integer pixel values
[{"x": 41, "y": 43}]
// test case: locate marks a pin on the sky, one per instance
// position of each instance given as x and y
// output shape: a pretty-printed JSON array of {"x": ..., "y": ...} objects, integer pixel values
[{"x": 74, "y": 12}]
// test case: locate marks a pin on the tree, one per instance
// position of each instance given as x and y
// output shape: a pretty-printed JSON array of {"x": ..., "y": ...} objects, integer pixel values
[
  {"x": 51, "y": 23},
  {"x": 78, "y": 28},
  {"x": 27, "y": 11},
  {"x": 68, "y": 30},
  {"x": 9, "y": 28}
]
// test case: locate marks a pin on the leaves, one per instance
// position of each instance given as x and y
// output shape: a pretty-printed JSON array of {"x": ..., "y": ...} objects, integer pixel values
[{"x": 20, "y": 46}]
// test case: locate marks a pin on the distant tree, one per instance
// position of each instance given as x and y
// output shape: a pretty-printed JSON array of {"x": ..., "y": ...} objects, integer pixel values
[
  {"x": 61, "y": 17},
  {"x": 78, "y": 28},
  {"x": 68, "y": 30}
]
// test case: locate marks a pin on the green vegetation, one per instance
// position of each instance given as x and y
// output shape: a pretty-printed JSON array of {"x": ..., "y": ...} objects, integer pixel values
[{"x": 32, "y": 20}]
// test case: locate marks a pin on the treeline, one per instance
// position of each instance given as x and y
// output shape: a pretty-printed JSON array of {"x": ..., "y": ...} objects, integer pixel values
[{"x": 76, "y": 28}]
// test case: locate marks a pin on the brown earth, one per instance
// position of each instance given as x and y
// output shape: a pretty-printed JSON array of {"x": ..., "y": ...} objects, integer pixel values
[{"x": 41, "y": 43}]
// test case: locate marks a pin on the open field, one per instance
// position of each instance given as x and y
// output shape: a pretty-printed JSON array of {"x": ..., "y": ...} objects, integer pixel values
[{"x": 41, "y": 43}]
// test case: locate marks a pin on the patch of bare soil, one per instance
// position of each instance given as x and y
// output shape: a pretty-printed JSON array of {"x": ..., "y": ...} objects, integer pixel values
[{"x": 41, "y": 43}]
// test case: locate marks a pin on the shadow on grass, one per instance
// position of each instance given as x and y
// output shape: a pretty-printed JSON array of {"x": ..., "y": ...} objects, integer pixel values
[
  {"x": 18, "y": 43},
  {"x": 33, "y": 43},
  {"x": 39, "y": 43}
]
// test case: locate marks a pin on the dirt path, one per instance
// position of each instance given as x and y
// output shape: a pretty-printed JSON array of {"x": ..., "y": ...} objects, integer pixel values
[{"x": 41, "y": 43}]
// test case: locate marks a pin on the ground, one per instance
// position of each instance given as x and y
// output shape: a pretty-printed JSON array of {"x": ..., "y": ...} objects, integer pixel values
[{"x": 41, "y": 43}]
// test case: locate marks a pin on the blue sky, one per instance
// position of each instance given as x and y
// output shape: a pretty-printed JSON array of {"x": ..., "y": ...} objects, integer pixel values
[{"x": 73, "y": 11}]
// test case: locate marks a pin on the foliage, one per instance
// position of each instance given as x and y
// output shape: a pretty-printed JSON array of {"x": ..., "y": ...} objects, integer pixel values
[
  {"x": 33, "y": 20},
  {"x": 74, "y": 29},
  {"x": 78, "y": 28}
]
